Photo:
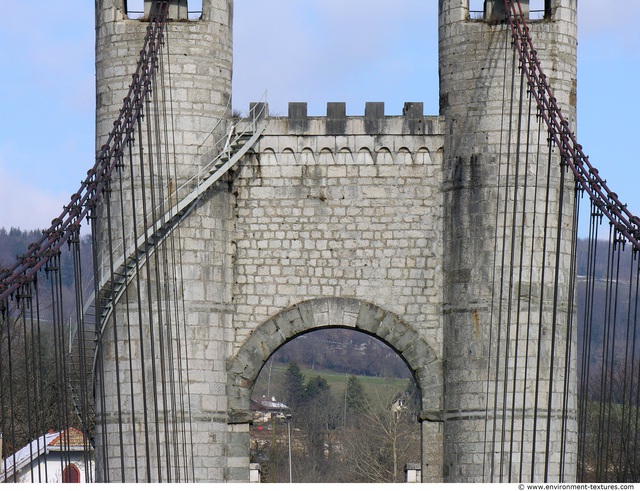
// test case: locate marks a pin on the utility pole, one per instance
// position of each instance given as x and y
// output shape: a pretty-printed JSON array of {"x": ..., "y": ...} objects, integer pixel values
[
  {"x": 289, "y": 432},
  {"x": 346, "y": 388}
]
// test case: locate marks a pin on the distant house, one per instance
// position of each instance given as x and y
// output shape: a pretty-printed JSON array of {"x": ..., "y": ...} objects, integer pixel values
[
  {"x": 265, "y": 408},
  {"x": 56, "y": 457}
]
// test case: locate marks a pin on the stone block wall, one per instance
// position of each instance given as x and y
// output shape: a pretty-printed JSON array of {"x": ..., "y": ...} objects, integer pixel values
[
  {"x": 326, "y": 213},
  {"x": 332, "y": 213}
]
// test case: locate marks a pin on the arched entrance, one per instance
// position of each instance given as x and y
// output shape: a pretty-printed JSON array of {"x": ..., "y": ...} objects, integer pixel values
[
  {"x": 335, "y": 405},
  {"x": 70, "y": 474},
  {"x": 421, "y": 358}
]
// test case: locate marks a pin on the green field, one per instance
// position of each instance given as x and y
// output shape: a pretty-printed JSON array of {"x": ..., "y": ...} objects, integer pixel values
[{"x": 379, "y": 391}]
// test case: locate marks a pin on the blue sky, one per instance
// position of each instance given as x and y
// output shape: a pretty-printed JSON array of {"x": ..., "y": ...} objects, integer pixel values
[{"x": 316, "y": 51}]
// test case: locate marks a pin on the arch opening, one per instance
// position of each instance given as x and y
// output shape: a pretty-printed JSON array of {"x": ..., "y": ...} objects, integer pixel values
[
  {"x": 344, "y": 402},
  {"x": 366, "y": 319}
]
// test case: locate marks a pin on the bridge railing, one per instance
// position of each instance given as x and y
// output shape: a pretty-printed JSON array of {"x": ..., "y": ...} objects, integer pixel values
[{"x": 220, "y": 149}]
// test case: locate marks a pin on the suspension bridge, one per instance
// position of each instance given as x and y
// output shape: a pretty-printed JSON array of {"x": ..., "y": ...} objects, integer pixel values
[{"x": 215, "y": 239}]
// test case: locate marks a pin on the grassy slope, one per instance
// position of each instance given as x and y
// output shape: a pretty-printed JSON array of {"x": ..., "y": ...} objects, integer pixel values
[{"x": 379, "y": 391}]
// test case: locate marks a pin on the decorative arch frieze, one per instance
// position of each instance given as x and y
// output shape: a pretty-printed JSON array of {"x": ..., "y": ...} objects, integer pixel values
[
  {"x": 288, "y": 157},
  {"x": 364, "y": 156},
  {"x": 404, "y": 156},
  {"x": 423, "y": 156},
  {"x": 326, "y": 156},
  {"x": 344, "y": 157},
  {"x": 384, "y": 156}
]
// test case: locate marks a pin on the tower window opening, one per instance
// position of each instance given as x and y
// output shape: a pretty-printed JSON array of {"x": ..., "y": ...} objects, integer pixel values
[
  {"x": 476, "y": 9},
  {"x": 195, "y": 9},
  {"x": 134, "y": 8},
  {"x": 178, "y": 9},
  {"x": 537, "y": 9},
  {"x": 494, "y": 10}
]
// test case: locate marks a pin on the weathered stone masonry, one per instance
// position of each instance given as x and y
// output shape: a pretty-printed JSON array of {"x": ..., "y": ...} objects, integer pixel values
[
  {"x": 385, "y": 224},
  {"x": 342, "y": 211},
  {"x": 351, "y": 215}
]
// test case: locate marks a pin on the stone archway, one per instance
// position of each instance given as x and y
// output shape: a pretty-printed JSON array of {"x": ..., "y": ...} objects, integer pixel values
[{"x": 421, "y": 358}]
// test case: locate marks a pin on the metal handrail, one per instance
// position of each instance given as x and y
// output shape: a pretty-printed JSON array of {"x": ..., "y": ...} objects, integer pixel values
[
  {"x": 239, "y": 130},
  {"x": 188, "y": 204},
  {"x": 197, "y": 188}
]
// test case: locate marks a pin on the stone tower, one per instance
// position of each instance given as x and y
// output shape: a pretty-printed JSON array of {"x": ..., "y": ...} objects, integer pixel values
[
  {"x": 198, "y": 84},
  {"x": 473, "y": 51},
  {"x": 201, "y": 78}
]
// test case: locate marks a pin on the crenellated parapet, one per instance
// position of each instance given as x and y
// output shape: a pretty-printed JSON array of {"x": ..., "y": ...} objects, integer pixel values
[
  {"x": 374, "y": 122},
  {"x": 372, "y": 138}
]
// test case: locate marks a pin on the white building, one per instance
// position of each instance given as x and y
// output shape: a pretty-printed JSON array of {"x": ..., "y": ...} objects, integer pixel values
[{"x": 56, "y": 457}]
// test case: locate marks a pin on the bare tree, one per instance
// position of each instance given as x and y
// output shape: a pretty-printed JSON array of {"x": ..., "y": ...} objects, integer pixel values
[
  {"x": 378, "y": 447},
  {"x": 610, "y": 443}
]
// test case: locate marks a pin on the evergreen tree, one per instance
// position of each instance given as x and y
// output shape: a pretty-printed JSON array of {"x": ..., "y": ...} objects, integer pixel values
[
  {"x": 294, "y": 390},
  {"x": 319, "y": 418},
  {"x": 317, "y": 390},
  {"x": 355, "y": 399}
]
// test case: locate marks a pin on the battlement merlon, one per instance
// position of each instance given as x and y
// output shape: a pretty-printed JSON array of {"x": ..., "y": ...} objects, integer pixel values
[{"x": 412, "y": 121}]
